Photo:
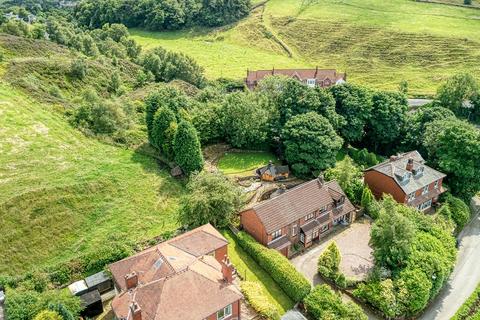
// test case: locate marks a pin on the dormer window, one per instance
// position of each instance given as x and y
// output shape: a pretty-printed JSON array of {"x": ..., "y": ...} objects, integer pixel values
[
  {"x": 311, "y": 82},
  {"x": 411, "y": 197}
]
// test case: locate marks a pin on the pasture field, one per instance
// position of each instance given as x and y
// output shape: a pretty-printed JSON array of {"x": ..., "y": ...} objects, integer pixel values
[
  {"x": 378, "y": 43},
  {"x": 63, "y": 194}
]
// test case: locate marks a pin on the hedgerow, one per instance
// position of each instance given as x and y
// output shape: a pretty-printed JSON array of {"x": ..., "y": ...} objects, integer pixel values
[
  {"x": 256, "y": 298},
  {"x": 295, "y": 285},
  {"x": 468, "y": 307}
]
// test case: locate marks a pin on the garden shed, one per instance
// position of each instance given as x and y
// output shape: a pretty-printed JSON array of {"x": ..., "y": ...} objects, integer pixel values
[{"x": 100, "y": 281}]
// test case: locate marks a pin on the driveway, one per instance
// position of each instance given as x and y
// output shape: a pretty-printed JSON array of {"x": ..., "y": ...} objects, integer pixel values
[
  {"x": 465, "y": 276},
  {"x": 353, "y": 245}
]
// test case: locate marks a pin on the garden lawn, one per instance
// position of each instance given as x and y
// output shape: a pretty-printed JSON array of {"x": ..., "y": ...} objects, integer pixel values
[
  {"x": 251, "y": 271},
  {"x": 378, "y": 43},
  {"x": 63, "y": 194},
  {"x": 238, "y": 163}
]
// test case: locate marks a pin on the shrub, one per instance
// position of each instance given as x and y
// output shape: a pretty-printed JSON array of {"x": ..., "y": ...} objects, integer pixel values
[
  {"x": 48, "y": 315},
  {"x": 381, "y": 295},
  {"x": 253, "y": 292},
  {"x": 329, "y": 261},
  {"x": 460, "y": 213},
  {"x": 323, "y": 303},
  {"x": 368, "y": 202},
  {"x": 78, "y": 69},
  {"x": 466, "y": 309},
  {"x": 295, "y": 285},
  {"x": 414, "y": 287}
]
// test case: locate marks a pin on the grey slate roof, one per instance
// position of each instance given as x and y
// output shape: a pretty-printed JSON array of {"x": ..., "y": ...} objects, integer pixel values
[
  {"x": 274, "y": 170},
  {"x": 298, "y": 202},
  {"x": 396, "y": 169}
]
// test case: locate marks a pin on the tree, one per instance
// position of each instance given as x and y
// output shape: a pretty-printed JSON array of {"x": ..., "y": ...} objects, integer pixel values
[
  {"x": 310, "y": 143},
  {"x": 186, "y": 148},
  {"x": 114, "y": 85},
  {"x": 354, "y": 104},
  {"x": 368, "y": 202},
  {"x": 414, "y": 290},
  {"x": 458, "y": 90},
  {"x": 212, "y": 199},
  {"x": 391, "y": 236},
  {"x": 387, "y": 119},
  {"x": 349, "y": 176},
  {"x": 329, "y": 261},
  {"x": 48, "y": 315},
  {"x": 78, "y": 69},
  {"x": 163, "y": 131},
  {"x": 453, "y": 147},
  {"x": 459, "y": 210}
]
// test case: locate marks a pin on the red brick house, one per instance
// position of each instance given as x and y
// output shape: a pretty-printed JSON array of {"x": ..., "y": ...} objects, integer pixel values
[
  {"x": 300, "y": 215},
  {"x": 407, "y": 179},
  {"x": 188, "y": 277},
  {"x": 322, "y": 78}
]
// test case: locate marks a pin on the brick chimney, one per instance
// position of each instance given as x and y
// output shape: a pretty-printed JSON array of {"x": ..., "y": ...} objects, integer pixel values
[
  {"x": 227, "y": 270},
  {"x": 409, "y": 166},
  {"x": 320, "y": 180},
  {"x": 135, "y": 311},
  {"x": 131, "y": 280}
]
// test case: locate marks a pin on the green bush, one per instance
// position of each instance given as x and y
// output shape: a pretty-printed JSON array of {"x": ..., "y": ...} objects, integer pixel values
[
  {"x": 295, "y": 285},
  {"x": 329, "y": 262},
  {"x": 323, "y": 303},
  {"x": 465, "y": 310},
  {"x": 381, "y": 295},
  {"x": 48, "y": 315},
  {"x": 256, "y": 298},
  {"x": 78, "y": 69},
  {"x": 460, "y": 213}
]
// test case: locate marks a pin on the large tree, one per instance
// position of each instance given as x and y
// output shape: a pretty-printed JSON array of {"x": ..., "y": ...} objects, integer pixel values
[
  {"x": 354, "y": 104},
  {"x": 164, "y": 130},
  {"x": 212, "y": 199},
  {"x": 387, "y": 119},
  {"x": 186, "y": 148},
  {"x": 458, "y": 92},
  {"x": 391, "y": 236},
  {"x": 453, "y": 147},
  {"x": 349, "y": 176},
  {"x": 310, "y": 143}
]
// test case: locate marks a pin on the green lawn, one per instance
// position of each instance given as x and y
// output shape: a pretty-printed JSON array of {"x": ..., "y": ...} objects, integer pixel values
[
  {"x": 237, "y": 163},
  {"x": 63, "y": 194},
  {"x": 378, "y": 43},
  {"x": 251, "y": 271}
]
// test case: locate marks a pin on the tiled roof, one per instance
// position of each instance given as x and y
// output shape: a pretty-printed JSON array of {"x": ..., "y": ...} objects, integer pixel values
[
  {"x": 396, "y": 169},
  {"x": 300, "y": 74},
  {"x": 298, "y": 202},
  {"x": 273, "y": 170},
  {"x": 177, "y": 279}
]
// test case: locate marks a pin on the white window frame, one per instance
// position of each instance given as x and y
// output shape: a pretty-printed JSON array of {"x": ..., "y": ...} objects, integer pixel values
[
  {"x": 294, "y": 230},
  {"x": 426, "y": 205},
  {"x": 302, "y": 238},
  {"x": 411, "y": 196},
  {"x": 277, "y": 234},
  {"x": 311, "y": 82},
  {"x": 425, "y": 189},
  {"x": 309, "y": 216},
  {"x": 436, "y": 184},
  {"x": 224, "y": 313},
  {"x": 324, "y": 228}
]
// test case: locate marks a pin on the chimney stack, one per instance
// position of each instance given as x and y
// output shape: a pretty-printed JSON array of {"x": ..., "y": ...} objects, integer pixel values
[
  {"x": 136, "y": 311},
  {"x": 227, "y": 270},
  {"x": 131, "y": 280},
  {"x": 320, "y": 180},
  {"x": 409, "y": 165}
]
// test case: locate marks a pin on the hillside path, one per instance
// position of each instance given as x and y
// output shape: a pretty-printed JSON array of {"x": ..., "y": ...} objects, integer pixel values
[{"x": 465, "y": 276}]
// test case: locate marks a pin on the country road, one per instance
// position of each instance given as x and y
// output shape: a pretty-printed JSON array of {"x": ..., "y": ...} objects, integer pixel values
[{"x": 465, "y": 276}]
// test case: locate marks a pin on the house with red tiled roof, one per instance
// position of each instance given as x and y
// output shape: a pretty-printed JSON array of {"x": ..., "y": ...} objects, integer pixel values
[
  {"x": 188, "y": 277},
  {"x": 322, "y": 78},
  {"x": 300, "y": 215},
  {"x": 407, "y": 179}
]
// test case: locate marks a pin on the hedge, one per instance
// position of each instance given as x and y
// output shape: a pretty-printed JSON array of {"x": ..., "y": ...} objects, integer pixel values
[
  {"x": 295, "y": 285},
  {"x": 465, "y": 311},
  {"x": 253, "y": 292}
]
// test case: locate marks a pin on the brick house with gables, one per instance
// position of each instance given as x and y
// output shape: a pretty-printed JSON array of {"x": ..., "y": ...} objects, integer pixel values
[
  {"x": 407, "y": 178},
  {"x": 300, "y": 215}
]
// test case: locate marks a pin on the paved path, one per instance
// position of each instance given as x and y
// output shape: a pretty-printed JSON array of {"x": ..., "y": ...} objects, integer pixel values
[{"x": 465, "y": 276}]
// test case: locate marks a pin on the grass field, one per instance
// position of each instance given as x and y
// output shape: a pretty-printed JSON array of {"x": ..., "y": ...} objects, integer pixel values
[
  {"x": 251, "y": 271},
  {"x": 378, "y": 43},
  {"x": 62, "y": 194},
  {"x": 235, "y": 163}
]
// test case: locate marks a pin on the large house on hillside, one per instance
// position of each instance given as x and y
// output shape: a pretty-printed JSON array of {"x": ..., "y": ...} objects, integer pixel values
[
  {"x": 188, "y": 277},
  {"x": 300, "y": 215},
  {"x": 311, "y": 77},
  {"x": 407, "y": 179}
]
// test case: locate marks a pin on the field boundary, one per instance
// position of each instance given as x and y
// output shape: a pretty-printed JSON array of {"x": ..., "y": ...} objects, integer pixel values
[{"x": 450, "y": 4}]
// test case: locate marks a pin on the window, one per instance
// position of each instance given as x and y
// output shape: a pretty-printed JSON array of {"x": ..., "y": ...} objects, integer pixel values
[
  {"x": 425, "y": 189},
  {"x": 302, "y": 238},
  {"x": 436, "y": 184},
  {"x": 276, "y": 234},
  {"x": 224, "y": 313},
  {"x": 311, "y": 82},
  {"x": 323, "y": 209},
  {"x": 411, "y": 196},
  {"x": 324, "y": 228},
  {"x": 425, "y": 205},
  {"x": 294, "y": 230},
  {"x": 309, "y": 216}
]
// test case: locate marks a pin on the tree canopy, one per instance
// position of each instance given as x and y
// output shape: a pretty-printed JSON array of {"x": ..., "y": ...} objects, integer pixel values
[
  {"x": 186, "y": 148},
  {"x": 459, "y": 94}
]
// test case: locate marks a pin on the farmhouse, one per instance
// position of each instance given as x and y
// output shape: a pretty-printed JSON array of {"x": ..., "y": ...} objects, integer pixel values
[
  {"x": 188, "y": 277},
  {"x": 322, "y": 78},
  {"x": 300, "y": 215},
  {"x": 407, "y": 179},
  {"x": 272, "y": 172}
]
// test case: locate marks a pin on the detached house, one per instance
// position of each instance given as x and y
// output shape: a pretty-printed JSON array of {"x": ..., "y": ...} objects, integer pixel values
[
  {"x": 407, "y": 179},
  {"x": 311, "y": 77},
  {"x": 188, "y": 277},
  {"x": 298, "y": 216}
]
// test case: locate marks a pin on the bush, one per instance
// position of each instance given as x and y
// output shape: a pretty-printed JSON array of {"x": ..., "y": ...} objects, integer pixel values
[
  {"x": 48, "y": 315},
  {"x": 253, "y": 292},
  {"x": 295, "y": 285},
  {"x": 466, "y": 309},
  {"x": 323, "y": 303},
  {"x": 460, "y": 212},
  {"x": 415, "y": 288},
  {"x": 381, "y": 295},
  {"x": 329, "y": 262},
  {"x": 78, "y": 69}
]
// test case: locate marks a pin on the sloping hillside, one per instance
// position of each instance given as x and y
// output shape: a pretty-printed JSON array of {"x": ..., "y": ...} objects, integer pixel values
[
  {"x": 62, "y": 194},
  {"x": 378, "y": 43}
]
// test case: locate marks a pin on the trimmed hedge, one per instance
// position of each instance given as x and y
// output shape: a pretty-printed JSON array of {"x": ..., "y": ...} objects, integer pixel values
[
  {"x": 295, "y": 285},
  {"x": 254, "y": 294},
  {"x": 468, "y": 307}
]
